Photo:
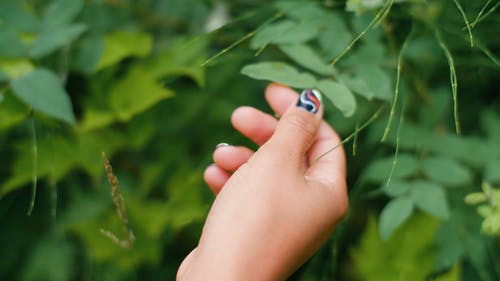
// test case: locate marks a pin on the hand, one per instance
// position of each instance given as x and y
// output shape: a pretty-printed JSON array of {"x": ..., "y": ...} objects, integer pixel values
[{"x": 274, "y": 208}]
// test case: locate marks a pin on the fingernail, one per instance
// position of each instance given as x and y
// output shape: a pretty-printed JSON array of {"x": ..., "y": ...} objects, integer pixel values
[
  {"x": 222, "y": 144},
  {"x": 310, "y": 100}
]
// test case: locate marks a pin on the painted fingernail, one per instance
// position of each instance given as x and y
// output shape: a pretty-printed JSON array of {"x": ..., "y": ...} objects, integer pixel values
[
  {"x": 222, "y": 144},
  {"x": 310, "y": 100}
]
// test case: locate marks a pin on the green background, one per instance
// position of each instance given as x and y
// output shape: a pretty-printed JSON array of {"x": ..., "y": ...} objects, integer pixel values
[{"x": 153, "y": 85}]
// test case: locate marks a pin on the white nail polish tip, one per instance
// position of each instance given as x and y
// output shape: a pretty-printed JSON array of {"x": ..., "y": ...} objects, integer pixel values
[{"x": 222, "y": 144}]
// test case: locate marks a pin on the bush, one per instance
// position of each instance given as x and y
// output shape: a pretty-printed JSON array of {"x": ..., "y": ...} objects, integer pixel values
[{"x": 411, "y": 86}]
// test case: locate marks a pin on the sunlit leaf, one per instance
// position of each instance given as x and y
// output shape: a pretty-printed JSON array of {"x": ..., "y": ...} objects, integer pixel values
[
  {"x": 43, "y": 91},
  {"x": 408, "y": 255},
  {"x": 182, "y": 58},
  {"x": 339, "y": 95},
  {"x": 135, "y": 93},
  {"x": 12, "y": 111},
  {"x": 395, "y": 213},
  {"x": 15, "y": 68},
  {"x": 279, "y": 72},
  {"x": 123, "y": 44}
]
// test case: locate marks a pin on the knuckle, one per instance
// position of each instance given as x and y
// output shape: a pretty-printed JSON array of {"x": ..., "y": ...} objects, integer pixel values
[{"x": 300, "y": 123}]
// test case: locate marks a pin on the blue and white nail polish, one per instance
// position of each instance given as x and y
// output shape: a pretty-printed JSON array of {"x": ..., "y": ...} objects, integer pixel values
[{"x": 310, "y": 100}]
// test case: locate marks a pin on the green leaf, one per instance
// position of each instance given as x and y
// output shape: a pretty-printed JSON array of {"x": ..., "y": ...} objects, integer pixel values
[
  {"x": 446, "y": 171},
  {"x": 135, "y": 93},
  {"x": 53, "y": 39},
  {"x": 491, "y": 224},
  {"x": 59, "y": 267},
  {"x": 307, "y": 57},
  {"x": 3, "y": 77},
  {"x": 87, "y": 54},
  {"x": 11, "y": 44},
  {"x": 61, "y": 12},
  {"x": 334, "y": 40},
  {"x": 182, "y": 58},
  {"x": 12, "y": 111},
  {"x": 15, "y": 68},
  {"x": 378, "y": 170},
  {"x": 279, "y": 72},
  {"x": 284, "y": 32},
  {"x": 492, "y": 172},
  {"x": 431, "y": 198},
  {"x": 339, "y": 95},
  {"x": 43, "y": 91},
  {"x": 450, "y": 248},
  {"x": 123, "y": 44},
  {"x": 397, "y": 188},
  {"x": 475, "y": 198},
  {"x": 377, "y": 81},
  {"x": 393, "y": 215},
  {"x": 408, "y": 255},
  {"x": 17, "y": 15}
]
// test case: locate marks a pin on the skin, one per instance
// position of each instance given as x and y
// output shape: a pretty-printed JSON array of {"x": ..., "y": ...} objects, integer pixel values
[{"x": 276, "y": 206}]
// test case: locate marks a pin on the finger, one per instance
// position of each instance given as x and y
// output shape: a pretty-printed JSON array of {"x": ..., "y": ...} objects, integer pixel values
[
  {"x": 280, "y": 97},
  {"x": 297, "y": 128},
  {"x": 326, "y": 157},
  {"x": 230, "y": 158},
  {"x": 215, "y": 177},
  {"x": 254, "y": 124}
]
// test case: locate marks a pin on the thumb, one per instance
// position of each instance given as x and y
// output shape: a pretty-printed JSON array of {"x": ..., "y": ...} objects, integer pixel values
[{"x": 298, "y": 127}]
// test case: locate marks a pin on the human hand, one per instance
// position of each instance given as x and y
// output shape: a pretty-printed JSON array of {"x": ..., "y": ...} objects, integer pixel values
[{"x": 279, "y": 204}]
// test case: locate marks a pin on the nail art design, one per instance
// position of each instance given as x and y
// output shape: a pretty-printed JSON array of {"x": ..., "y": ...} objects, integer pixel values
[{"x": 310, "y": 100}]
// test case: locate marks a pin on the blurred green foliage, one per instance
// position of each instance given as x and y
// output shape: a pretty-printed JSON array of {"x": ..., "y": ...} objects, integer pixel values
[{"x": 153, "y": 82}]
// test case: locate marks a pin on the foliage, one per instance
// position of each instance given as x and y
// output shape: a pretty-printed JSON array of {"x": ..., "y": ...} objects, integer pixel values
[{"x": 146, "y": 83}]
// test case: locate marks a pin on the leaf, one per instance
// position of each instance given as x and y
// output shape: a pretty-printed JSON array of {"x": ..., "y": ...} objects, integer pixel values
[
  {"x": 279, "y": 72},
  {"x": 11, "y": 44},
  {"x": 43, "y": 91},
  {"x": 446, "y": 171},
  {"x": 135, "y": 93},
  {"x": 377, "y": 81},
  {"x": 408, "y": 255},
  {"x": 59, "y": 267},
  {"x": 284, "y": 32},
  {"x": 334, "y": 40},
  {"x": 339, "y": 95},
  {"x": 182, "y": 58},
  {"x": 88, "y": 54},
  {"x": 431, "y": 198},
  {"x": 61, "y": 12},
  {"x": 397, "y": 188},
  {"x": 15, "y": 68},
  {"x": 53, "y": 39},
  {"x": 393, "y": 215},
  {"x": 306, "y": 57},
  {"x": 492, "y": 172},
  {"x": 12, "y": 111},
  {"x": 123, "y": 44},
  {"x": 449, "y": 246},
  {"x": 17, "y": 15},
  {"x": 378, "y": 170}
]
